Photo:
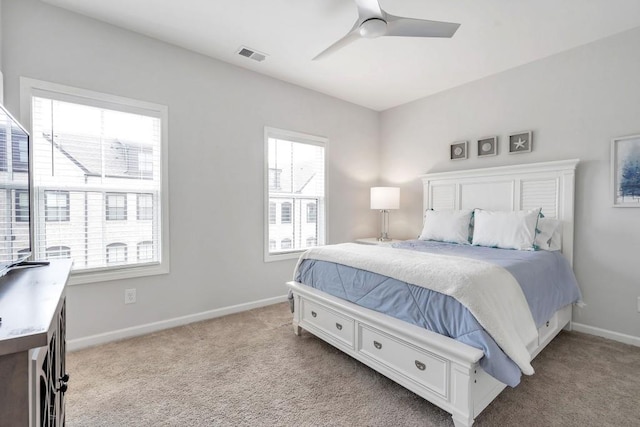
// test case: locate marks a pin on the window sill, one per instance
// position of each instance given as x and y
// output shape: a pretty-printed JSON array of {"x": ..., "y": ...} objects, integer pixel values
[
  {"x": 105, "y": 275},
  {"x": 283, "y": 256}
]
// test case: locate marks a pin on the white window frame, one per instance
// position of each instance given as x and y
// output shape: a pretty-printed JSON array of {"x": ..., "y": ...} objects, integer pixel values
[
  {"x": 321, "y": 212},
  {"x": 32, "y": 87}
]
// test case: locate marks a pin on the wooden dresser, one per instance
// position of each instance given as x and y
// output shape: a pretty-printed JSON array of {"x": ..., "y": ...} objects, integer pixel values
[{"x": 33, "y": 379}]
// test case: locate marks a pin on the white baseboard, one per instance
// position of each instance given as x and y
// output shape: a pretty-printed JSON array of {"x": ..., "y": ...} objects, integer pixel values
[
  {"x": 90, "y": 341},
  {"x": 605, "y": 333}
]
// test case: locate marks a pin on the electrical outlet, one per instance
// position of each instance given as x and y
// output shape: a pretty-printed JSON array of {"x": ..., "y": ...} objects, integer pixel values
[{"x": 130, "y": 296}]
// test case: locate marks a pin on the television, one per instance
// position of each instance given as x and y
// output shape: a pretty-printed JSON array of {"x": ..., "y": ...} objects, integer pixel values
[{"x": 15, "y": 209}]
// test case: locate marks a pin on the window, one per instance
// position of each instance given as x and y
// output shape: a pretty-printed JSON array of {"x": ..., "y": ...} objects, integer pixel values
[
  {"x": 294, "y": 181},
  {"x": 56, "y": 252},
  {"x": 116, "y": 253},
  {"x": 145, "y": 251},
  {"x": 274, "y": 179},
  {"x": 116, "y": 207},
  {"x": 56, "y": 205},
  {"x": 272, "y": 244},
  {"x": 312, "y": 212},
  {"x": 285, "y": 213},
  {"x": 311, "y": 241},
  {"x": 272, "y": 213},
  {"x": 20, "y": 153},
  {"x": 285, "y": 243},
  {"x": 145, "y": 162},
  {"x": 3, "y": 148},
  {"x": 145, "y": 207},
  {"x": 22, "y": 205},
  {"x": 95, "y": 156}
]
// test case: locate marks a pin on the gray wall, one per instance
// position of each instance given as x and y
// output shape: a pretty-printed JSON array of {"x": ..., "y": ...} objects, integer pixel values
[
  {"x": 574, "y": 102},
  {"x": 216, "y": 117}
]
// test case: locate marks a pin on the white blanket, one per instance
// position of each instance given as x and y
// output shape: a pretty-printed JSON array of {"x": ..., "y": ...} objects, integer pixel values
[{"x": 488, "y": 291}]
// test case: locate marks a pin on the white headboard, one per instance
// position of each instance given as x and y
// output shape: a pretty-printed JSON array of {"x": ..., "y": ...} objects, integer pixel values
[{"x": 549, "y": 185}]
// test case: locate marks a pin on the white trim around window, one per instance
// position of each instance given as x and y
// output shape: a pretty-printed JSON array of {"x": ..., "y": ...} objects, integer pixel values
[
  {"x": 322, "y": 207},
  {"x": 30, "y": 88}
]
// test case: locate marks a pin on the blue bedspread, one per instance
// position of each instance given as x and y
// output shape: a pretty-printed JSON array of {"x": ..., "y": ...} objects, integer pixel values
[{"x": 546, "y": 278}]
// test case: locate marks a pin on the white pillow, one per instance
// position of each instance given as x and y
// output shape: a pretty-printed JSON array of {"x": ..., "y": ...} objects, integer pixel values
[
  {"x": 447, "y": 226},
  {"x": 549, "y": 234},
  {"x": 507, "y": 230}
]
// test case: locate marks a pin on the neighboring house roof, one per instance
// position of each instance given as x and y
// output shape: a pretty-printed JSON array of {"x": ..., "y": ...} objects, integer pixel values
[{"x": 119, "y": 158}]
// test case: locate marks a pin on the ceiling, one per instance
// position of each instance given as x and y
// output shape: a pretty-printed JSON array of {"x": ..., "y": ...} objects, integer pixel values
[{"x": 381, "y": 73}]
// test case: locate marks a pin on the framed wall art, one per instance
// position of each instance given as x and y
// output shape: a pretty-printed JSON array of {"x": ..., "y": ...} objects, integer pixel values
[
  {"x": 520, "y": 142},
  {"x": 458, "y": 150},
  {"x": 625, "y": 171},
  {"x": 488, "y": 146}
]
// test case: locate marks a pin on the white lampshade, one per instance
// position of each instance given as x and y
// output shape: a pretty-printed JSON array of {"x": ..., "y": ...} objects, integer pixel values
[{"x": 385, "y": 198}]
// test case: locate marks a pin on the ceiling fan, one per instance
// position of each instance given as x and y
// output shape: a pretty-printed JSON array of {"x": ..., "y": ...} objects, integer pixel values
[{"x": 374, "y": 22}]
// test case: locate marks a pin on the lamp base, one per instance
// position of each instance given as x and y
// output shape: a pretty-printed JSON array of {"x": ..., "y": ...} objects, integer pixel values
[{"x": 384, "y": 226}]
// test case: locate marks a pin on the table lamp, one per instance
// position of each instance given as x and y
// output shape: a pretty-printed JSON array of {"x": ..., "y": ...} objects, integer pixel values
[{"x": 384, "y": 199}]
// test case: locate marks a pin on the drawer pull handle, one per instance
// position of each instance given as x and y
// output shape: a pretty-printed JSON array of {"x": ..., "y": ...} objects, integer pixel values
[
  {"x": 377, "y": 345},
  {"x": 420, "y": 365},
  {"x": 339, "y": 326},
  {"x": 314, "y": 314}
]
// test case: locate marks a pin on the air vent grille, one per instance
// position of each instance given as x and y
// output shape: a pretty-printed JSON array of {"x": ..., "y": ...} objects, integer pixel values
[{"x": 251, "y": 54}]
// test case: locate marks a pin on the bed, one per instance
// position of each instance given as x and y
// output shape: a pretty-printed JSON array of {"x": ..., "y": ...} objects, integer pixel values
[{"x": 452, "y": 374}]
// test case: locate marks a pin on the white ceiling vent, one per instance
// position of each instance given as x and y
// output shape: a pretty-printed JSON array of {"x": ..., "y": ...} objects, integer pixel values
[{"x": 250, "y": 53}]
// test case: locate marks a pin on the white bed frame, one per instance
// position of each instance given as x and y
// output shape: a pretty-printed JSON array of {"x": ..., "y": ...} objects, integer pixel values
[{"x": 441, "y": 370}]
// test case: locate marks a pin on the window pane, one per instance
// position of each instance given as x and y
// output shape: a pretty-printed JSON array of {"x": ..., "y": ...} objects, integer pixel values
[
  {"x": 285, "y": 214},
  {"x": 56, "y": 252},
  {"x": 274, "y": 179},
  {"x": 272, "y": 213},
  {"x": 285, "y": 244},
  {"x": 145, "y": 207},
  {"x": 116, "y": 253},
  {"x": 22, "y": 206},
  {"x": 312, "y": 212},
  {"x": 56, "y": 205},
  {"x": 145, "y": 251},
  {"x": 116, "y": 207},
  {"x": 92, "y": 167}
]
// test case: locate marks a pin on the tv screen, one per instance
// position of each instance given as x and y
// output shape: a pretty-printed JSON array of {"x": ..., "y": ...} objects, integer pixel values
[{"x": 15, "y": 217}]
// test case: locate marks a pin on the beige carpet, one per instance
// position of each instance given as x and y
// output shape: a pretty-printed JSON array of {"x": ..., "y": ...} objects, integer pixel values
[{"x": 249, "y": 369}]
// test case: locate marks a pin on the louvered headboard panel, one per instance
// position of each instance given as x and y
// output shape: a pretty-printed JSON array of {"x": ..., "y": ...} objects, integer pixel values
[{"x": 549, "y": 185}]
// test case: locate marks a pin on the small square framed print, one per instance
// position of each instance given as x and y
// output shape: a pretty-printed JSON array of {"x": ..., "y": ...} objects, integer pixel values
[
  {"x": 520, "y": 142},
  {"x": 458, "y": 150},
  {"x": 488, "y": 146}
]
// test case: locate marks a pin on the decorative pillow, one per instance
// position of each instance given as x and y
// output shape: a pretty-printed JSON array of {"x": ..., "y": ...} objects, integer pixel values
[
  {"x": 507, "y": 230},
  {"x": 447, "y": 226},
  {"x": 549, "y": 234}
]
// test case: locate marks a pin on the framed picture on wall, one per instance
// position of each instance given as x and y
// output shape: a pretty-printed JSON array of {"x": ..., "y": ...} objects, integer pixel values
[
  {"x": 458, "y": 150},
  {"x": 488, "y": 146},
  {"x": 520, "y": 142},
  {"x": 625, "y": 171}
]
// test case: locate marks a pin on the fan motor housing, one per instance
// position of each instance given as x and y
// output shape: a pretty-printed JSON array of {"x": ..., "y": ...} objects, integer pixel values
[{"x": 372, "y": 28}]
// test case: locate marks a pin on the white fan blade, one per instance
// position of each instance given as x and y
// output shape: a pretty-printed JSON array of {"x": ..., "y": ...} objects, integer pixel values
[
  {"x": 408, "y": 27},
  {"x": 351, "y": 36},
  {"x": 368, "y": 9}
]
